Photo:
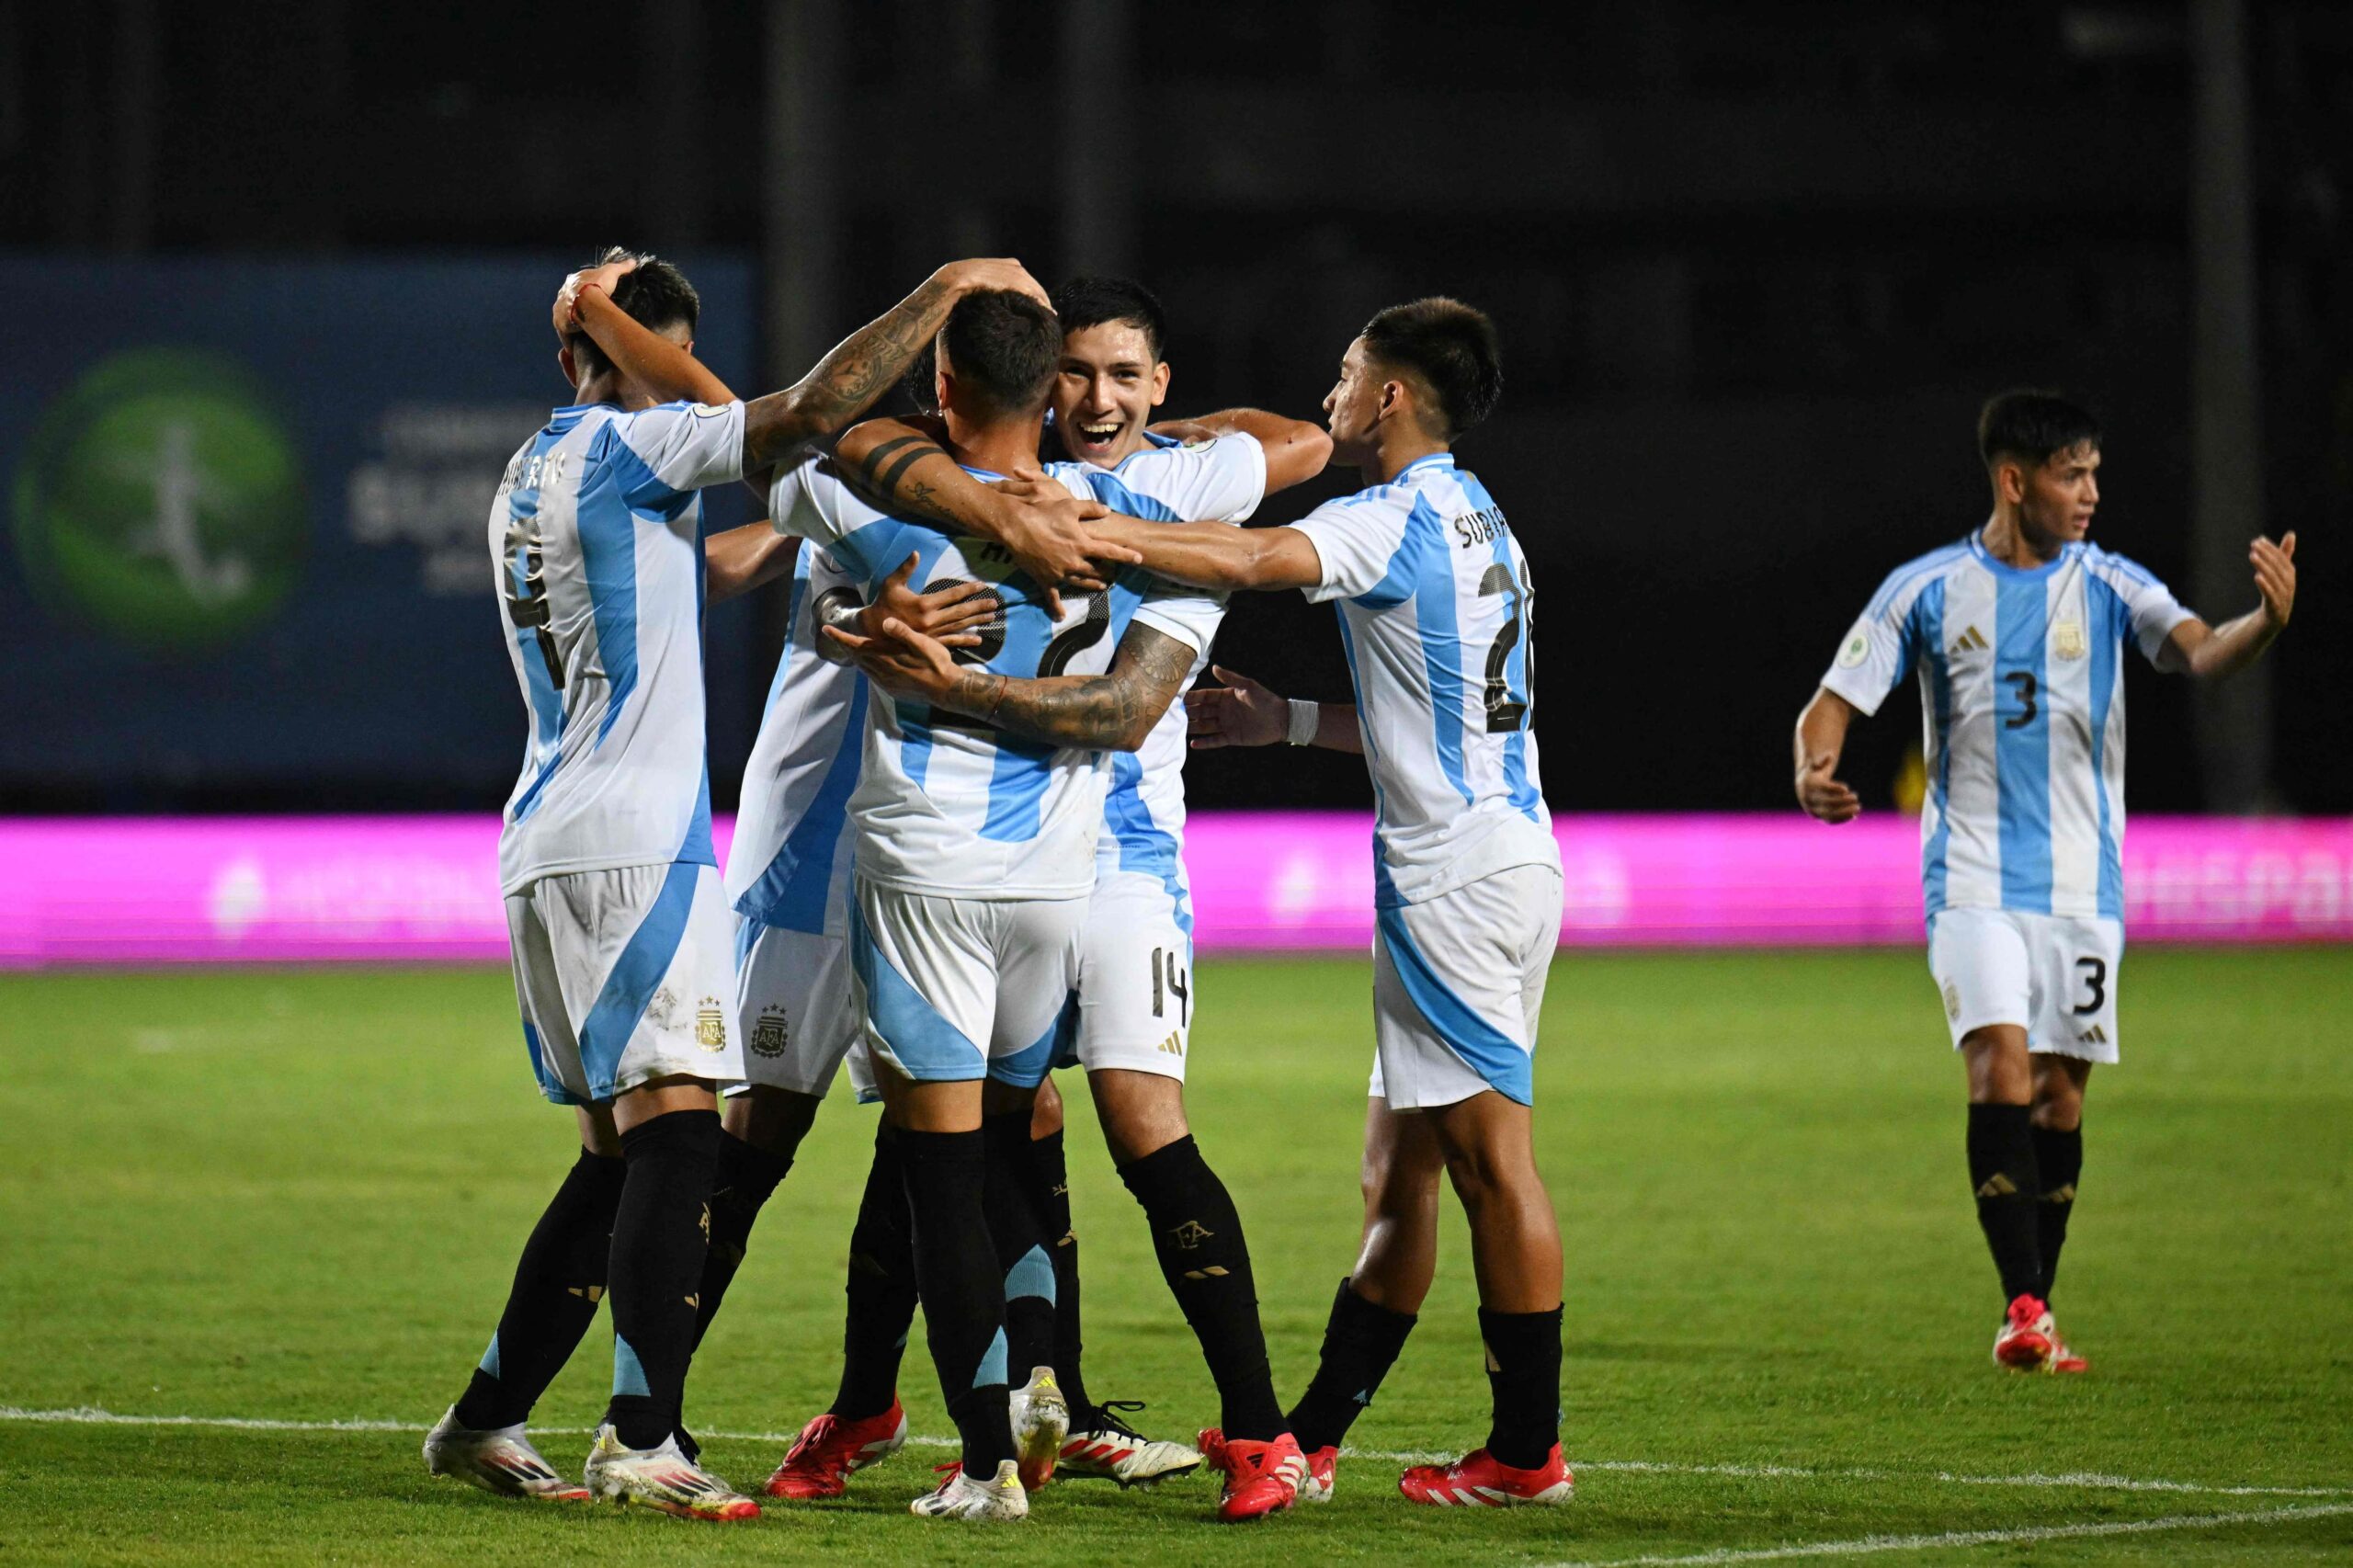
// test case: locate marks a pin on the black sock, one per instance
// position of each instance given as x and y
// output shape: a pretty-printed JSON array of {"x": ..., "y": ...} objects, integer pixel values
[
  {"x": 962, "y": 1286},
  {"x": 881, "y": 1288},
  {"x": 1021, "y": 1249},
  {"x": 1361, "y": 1343},
  {"x": 1046, "y": 1177},
  {"x": 2002, "y": 1169},
  {"x": 2058, "y": 1161},
  {"x": 1524, "y": 1374},
  {"x": 557, "y": 1285},
  {"x": 659, "y": 1241},
  {"x": 1198, "y": 1235},
  {"x": 746, "y": 1178}
]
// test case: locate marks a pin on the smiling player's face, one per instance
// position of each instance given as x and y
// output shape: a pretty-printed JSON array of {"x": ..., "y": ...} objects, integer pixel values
[
  {"x": 1105, "y": 391},
  {"x": 2060, "y": 494},
  {"x": 1352, "y": 407}
]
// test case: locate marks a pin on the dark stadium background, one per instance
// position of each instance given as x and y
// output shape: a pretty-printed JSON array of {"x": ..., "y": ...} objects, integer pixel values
[{"x": 1754, "y": 265}]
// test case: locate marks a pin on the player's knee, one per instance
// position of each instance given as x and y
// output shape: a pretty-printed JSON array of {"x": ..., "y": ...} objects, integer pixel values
[
  {"x": 1046, "y": 1113},
  {"x": 771, "y": 1119},
  {"x": 2000, "y": 1073}
]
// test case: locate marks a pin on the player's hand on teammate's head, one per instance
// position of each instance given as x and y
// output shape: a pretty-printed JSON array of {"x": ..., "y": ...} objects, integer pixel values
[
  {"x": 952, "y": 615},
  {"x": 983, "y": 273},
  {"x": 1824, "y": 796},
  {"x": 567, "y": 298},
  {"x": 1239, "y": 712},
  {"x": 2275, "y": 575}
]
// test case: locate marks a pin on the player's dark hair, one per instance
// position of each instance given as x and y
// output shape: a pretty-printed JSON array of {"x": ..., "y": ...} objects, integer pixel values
[
  {"x": 2032, "y": 424},
  {"x": 1451, "y": 346},
  {"x": 1090, "y": 301},
  {"x": 921, "y": 383},
  {"x": 1002, "y": 347},
  {"x": 653, "y": 293}
]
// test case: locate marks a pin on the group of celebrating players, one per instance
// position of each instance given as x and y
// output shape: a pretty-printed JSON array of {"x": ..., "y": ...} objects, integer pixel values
[{"x": 959, "y": 864}]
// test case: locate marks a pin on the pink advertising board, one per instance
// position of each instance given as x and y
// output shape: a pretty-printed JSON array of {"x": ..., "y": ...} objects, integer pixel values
[{"x": 277, "y": 890}]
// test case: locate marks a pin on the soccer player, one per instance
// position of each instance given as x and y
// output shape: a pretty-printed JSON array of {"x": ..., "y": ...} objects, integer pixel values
[
  {"x": 788, "y": 878},
  {"x": 1434, "y": 611},
  {"x": 1134, "y": 993},
  {"x": 612, "y": 893},
  {"x": 2019, "y": 632}
]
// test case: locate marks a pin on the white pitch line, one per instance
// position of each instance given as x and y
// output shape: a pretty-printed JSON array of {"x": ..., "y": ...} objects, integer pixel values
[
  {"x": 90, "y": 1416},
  {"x": 1865, "y": 1546}
]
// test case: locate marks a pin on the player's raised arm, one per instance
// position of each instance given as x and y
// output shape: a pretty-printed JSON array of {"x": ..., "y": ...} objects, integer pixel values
[
  {"x": 1242, "y": 712},
  {"x": 1296, "y": 450},
  {"x": 2211, "y": 651},
  {"x": 868, "y": 362},
  {"x": 1113, "y": 712},
  {"x": 1821, "y": 740}
]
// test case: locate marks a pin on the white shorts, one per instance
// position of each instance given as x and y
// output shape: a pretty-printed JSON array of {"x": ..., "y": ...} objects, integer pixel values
[
  {"x": 2053, "y": 975},
  {"x": 951, "y": 990},
  {"x": 622, "y": 976},
  {"x": 793, "y": 1007},
  {"x": 1458, "y": 981},
  {"x": 1135, "y": 978}
]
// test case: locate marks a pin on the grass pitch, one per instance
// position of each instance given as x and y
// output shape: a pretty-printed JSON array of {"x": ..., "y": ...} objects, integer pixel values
[{"x": 296, "y": 1197}]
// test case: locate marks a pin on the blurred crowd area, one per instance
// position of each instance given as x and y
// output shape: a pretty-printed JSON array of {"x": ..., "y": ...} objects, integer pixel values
[{"x": 1755, "y": 266}]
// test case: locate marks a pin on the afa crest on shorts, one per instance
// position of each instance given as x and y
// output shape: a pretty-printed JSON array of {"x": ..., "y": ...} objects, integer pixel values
[
  {"x": 770, "y": 1036},
  {"x": 711, "y": 1024}
]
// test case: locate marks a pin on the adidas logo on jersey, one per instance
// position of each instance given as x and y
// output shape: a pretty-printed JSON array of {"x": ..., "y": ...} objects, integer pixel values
[
  {"x": 1970, "y": 641},
  {"x": 2095, "y": 1035}
]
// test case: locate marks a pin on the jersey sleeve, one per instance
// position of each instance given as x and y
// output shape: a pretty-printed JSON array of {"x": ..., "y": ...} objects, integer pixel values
[
  {"x": 1190, "y": 615},
  {"x": 1221, "y": 480},
  {"x": 1355, "y": 540},
  {"x": 1878, "y": 649},
  {"x": 2151, "y": 612},
  {"x": 797, "y": 500},
  {"x": 680, "y": 448}
]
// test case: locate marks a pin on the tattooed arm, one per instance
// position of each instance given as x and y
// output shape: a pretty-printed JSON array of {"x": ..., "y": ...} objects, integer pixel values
[
  {"x": 1111, "y": 712},
  {"x": 868, "y": 362},
  {"x": 903, "y": 468}
]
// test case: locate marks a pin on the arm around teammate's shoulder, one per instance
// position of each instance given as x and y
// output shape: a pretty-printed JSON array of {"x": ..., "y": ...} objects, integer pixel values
[
  {"x": 1296, "y": 450},
  {"x": 1218, "y": 555}
]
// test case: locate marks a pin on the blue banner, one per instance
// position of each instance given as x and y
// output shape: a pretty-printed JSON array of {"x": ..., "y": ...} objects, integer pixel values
[{"x": 247, "y": 503}]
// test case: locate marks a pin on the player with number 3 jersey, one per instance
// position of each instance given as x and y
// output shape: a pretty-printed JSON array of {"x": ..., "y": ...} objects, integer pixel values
[{"x": 2019, "y": 632}]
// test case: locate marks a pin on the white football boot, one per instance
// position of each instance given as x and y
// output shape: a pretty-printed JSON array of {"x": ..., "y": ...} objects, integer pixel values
[
  {"x": 961, "y": 1497},
  {"x": 503, "y": 1461},
  {"x": 662, "y": 1479},
  {"x": 1113, "y": 1450},
  {"x": 1041, "y": 1421}
]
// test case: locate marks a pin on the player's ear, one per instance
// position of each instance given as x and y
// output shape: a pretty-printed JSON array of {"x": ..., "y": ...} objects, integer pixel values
[
  {"x": 2009, "y": 481},
  {"x": 563, "y": 363},
  {"x": 1160, "y": 383}
]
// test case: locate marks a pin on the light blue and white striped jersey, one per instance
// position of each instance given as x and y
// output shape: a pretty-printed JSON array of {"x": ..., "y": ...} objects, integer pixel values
[
  {"x": 790, "y": 863},
  {"x": 1218, "y": 481},
  {"x": 1434, "y": 600},
  {"x": 595, "y": 541},
  {"x": 2022, "y": 699},
  {"x": 948, "y": 805}
]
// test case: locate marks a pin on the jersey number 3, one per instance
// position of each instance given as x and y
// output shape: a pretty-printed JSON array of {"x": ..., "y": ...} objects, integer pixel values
[{"x": 1505, "y": 711}]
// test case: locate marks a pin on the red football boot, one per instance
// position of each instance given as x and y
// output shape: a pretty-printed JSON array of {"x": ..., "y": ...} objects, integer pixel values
[
  {"x": 1260, "y": 1478},
  {"x": 829, "y": 1447},
  {"x": 2027, "y": 1337},
  {"x": 1479, "y": 1480}
]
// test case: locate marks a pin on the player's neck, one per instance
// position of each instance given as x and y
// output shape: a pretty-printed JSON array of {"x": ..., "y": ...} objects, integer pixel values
[
  {"x": 1395, "y": 452},
  {"x": 1003, "y": 446},
  {"x": 2008, "y": 540},
  {"x": 610, "y": 387}
]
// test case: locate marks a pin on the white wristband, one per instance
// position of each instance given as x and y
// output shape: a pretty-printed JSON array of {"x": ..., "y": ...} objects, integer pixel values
[{"x": 1304, "y": 717}]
